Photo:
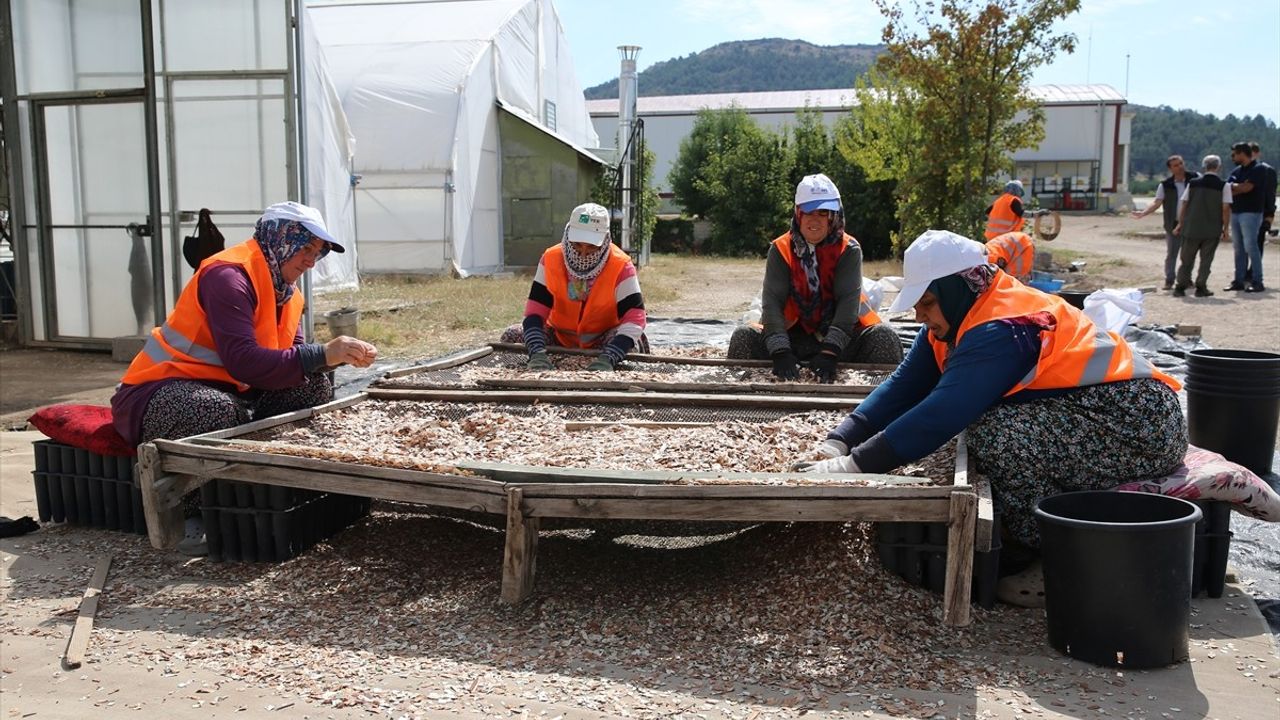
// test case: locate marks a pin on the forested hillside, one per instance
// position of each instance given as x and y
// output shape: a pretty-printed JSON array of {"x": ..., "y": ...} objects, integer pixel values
[
  {"x": 1162, "y": 131},
  {"x": 752, "y": 65}
]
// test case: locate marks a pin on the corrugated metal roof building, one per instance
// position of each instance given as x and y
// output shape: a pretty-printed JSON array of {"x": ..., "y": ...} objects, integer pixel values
[{"x": 1084, "y": 153}]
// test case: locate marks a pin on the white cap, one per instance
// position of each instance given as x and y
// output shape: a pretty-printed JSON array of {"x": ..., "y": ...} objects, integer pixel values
[
  {"x": 817, "y": 192},
  {"x": 935, "y": 254},
  {"x": 309, "y": 217},
  {"x": 588, "y": 223},
  {"x": 1014, "y": 187}
]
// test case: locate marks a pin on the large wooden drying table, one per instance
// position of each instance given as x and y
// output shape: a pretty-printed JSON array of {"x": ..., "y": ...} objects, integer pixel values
[{"x": 169, "y": 469}]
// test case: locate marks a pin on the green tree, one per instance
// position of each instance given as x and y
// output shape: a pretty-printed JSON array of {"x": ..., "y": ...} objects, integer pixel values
[
  {"x": 714, "y": 133},
  {"x": 868, "y": 206},
  {"x": 955, "y": 90},
  {"x": 748, "y": 191}
]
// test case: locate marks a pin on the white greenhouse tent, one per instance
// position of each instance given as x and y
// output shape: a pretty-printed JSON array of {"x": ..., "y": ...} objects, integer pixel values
[
  {"x": 123, "y": 118},
  {"x": 473, "y": 138}
]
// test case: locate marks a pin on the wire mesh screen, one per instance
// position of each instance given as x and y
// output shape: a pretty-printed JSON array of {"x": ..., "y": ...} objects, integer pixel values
[{"x": 501, "y": 366}]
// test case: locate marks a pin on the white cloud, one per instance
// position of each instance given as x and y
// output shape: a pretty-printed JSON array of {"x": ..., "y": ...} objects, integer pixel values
[{"x": 829, "y": 22}]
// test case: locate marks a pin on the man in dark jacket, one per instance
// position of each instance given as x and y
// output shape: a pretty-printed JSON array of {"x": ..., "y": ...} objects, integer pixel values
[
  {"x": 1247, "y": 183},
  {"x": 1204, "y": 221},
  {"x": 1268, "y": 204},
  {"x": 1168, "y": 193}
]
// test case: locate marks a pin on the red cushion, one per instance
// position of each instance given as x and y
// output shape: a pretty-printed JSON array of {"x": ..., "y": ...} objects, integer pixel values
[{"x": 84, "y": 426}]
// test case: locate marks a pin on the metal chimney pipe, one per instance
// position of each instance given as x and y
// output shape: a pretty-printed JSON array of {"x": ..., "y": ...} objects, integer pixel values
[{"x": 626, "y": 120}]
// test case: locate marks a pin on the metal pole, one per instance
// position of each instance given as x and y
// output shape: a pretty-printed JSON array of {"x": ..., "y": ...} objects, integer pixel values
[
  {"x": 298, "y": 61},
  {"x": 17, "y": 198},
  {"x": 153, "y": 164},
  {"x": 626, "y": 118}
]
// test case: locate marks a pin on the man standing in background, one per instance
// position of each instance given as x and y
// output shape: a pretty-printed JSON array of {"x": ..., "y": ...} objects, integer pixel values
[
  {"x": 1168, "y": 194},
  {"x": 1268, "y": 205},
  {"x": 1204, "y": 219},
  {"x": 1247, "y": 182}
]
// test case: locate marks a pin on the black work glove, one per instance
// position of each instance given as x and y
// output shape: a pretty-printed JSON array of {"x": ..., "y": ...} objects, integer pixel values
[
  {"x": 824, "y": 365},
  {"x": 602, "y": 363},
  {"x": 785, "y": 365}
]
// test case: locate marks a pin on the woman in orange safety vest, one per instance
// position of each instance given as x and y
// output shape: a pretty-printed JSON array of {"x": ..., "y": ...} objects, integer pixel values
[
  {"x": 585, "y": 294},
  {"x": 232, "y": 350},
  {"x": 812, "y": 305},
  {"x": 1050, "y": 402},
  {"x": 1014, "y": 253}
]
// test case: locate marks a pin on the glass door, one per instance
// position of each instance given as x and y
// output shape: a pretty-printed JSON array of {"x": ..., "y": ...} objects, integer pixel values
[{"x": 93, "y": 226}]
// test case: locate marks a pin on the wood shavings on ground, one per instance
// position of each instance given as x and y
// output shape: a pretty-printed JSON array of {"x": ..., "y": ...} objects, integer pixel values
[{"x": 399, "y": 617}]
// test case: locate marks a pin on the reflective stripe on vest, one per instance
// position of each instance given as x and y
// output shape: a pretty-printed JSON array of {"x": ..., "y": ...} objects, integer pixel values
[
  {"x": 1073, "y": 352},
  {"x": 867, "y": 315},
  {"x": 1016, "y": 250},
  {"x": 578, "y": 323},
  {"x": 1002, "y": 218},
  {"x": 183, "y": 347}
]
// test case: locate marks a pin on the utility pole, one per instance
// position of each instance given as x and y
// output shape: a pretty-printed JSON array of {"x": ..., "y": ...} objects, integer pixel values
[{"x": 1126, "y": 76}]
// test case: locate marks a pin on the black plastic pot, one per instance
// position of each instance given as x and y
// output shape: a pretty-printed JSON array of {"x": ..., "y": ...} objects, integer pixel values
[
  {"x": 1073, "y": 297},
  {"x": 1117, "y": 576},
  {"x": 1233, "y": 404}
]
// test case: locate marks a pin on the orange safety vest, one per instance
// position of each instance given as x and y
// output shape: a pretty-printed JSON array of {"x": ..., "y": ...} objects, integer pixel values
[
  {"x": 791, "y": 310},
  {"x": 580, "y": 323},
  {"x": 184, "y": 347},
  {"x": 1073, "y": 352},
  {"x": 1014, "y": 252},
  {"x": 1002, "y": 218}
]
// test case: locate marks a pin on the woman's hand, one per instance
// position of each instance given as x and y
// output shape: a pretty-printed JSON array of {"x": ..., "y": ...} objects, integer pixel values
[
  {"x": 350, "y": 351},
  {"x": 831, "y": 466},
  {"x": 830, "y": 448}
]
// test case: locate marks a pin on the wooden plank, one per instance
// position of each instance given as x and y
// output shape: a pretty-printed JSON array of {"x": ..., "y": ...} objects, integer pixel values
[
  {"x": 453, "y": 360},
  {"x": 520, "y": 553},
  {"x": 214, "y": 449},
  {"x": 965, "y": 476},
  {"x": 959, "y": 578},
  {"x": 678, "y": 360},
  {"x": 285, "y": 419},
  {"x": 350, "y": 484},
  {"x": 961, "y": 477},
  {"x": 745, "y": 509},
  {"x": 795, "y": 402},
  {"x": 78, "y": 642},
  {"x": 513, "y": 473},
  {"x": 578, "y": 425},
  {"x": 164, "y": 522},
  {"x": 622, "y": 491},
  {"x": 656, "y": 386}
]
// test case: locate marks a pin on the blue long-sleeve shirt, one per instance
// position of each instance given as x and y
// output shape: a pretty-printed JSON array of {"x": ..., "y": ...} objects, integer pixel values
[{"x": 919, "y": 408}]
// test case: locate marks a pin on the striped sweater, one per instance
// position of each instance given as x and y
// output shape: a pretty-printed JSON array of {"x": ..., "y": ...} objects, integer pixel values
[{"x": 626, "y": 294}]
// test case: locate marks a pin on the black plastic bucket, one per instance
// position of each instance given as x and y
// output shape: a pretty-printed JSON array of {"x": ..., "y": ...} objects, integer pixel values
[
  {"x": 1073, "y": 297},
  {"x": 1233, "y": 404},
  {"x": 1117, "y": 576}
]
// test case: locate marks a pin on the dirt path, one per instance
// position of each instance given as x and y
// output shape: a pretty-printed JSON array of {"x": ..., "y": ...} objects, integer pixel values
[{"x": 1228, "y": 319}]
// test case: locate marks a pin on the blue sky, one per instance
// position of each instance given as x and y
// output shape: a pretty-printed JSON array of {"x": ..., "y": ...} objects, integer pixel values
[{"x": 1229, "y": 77}]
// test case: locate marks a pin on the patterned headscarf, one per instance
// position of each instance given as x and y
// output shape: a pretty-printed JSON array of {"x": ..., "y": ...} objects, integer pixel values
[
  {"x": 583, "y": 267},
  {"x": 958, "y": 292},
  {"x": 280, "y": 241}
]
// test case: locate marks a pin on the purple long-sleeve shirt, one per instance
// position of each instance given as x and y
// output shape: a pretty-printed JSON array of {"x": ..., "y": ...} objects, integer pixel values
[{"x": 226, "y": 294}]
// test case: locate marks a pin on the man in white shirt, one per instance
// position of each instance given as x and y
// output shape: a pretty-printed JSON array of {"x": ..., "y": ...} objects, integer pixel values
[
  {"x": 1204, "y": 221},
  {"x": 1170, "y": 188}
]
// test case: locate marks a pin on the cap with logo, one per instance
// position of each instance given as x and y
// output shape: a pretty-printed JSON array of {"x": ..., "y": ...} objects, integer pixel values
[
  {"x": 588, "y": 223},
  {"x": 817, "y": 192},
  {"x": 309, "y": 217},
  {"x": 935, "y": 254}
]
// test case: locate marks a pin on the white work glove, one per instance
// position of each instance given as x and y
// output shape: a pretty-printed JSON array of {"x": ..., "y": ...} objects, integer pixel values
[
  {"x": 830, "y": 466},
  {"x": 830, "y": 448}
]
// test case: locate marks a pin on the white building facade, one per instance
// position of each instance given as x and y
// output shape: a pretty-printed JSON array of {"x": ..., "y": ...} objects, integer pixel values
[{"x": 1081, "y": 164}]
